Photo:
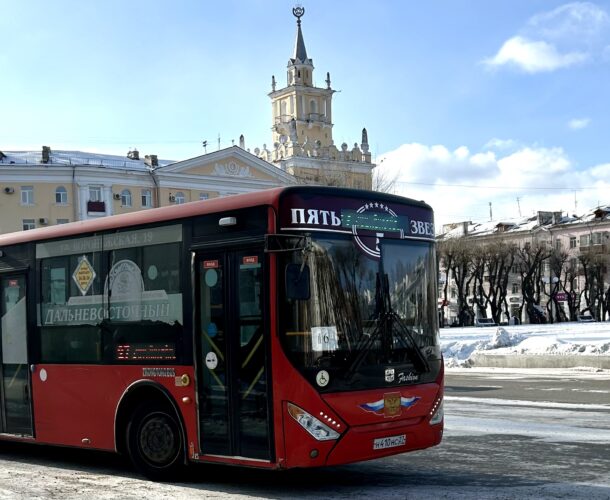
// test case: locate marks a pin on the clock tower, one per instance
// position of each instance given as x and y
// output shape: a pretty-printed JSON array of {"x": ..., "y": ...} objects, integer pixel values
[{"x": 302, "y": 128}]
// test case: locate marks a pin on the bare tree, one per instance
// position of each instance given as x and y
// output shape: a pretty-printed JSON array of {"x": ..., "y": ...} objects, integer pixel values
[
  {"x": 558, "y": 267},
  {"x": 384, "y": 181},
  {"x": 530, "y": 259},
  {"x": 594, "y": 271},
  {"x": 480, "y": 295},
  {"x": 500, "y": 259},
  {"x": 460, "y": 269}
]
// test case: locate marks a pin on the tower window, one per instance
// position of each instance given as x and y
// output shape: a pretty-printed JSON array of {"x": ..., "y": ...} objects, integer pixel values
[{"x": 313, "y": 106}]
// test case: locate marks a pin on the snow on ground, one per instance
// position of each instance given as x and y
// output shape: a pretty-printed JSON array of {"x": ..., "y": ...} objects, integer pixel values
[{"x": 459, "y": 344}]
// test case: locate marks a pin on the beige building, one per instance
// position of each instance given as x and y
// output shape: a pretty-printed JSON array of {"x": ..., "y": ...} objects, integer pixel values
[
  {"x": 45, "y": 187},
  {"x": 302, "y": 128},
  {"x": 54, "y": 187}
]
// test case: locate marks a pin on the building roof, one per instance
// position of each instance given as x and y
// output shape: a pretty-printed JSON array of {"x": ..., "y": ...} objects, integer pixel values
[
  {"x": 300, "y": 53},
  {"x": 76, "y": 158},
  {"x": 542, "y": 220}
]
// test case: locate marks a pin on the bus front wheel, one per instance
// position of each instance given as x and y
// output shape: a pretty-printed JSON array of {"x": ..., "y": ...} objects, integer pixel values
[{"x": 154, "y": 442}]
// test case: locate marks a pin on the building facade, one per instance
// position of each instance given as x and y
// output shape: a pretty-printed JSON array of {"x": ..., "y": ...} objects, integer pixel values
[
  {"x": 559, "y": 265},
  {"x": 55, "y": 187}
]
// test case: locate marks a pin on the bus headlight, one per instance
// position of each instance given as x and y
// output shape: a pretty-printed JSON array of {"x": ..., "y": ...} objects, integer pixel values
[
  {"x": 437, "y": 413},
  {"x": 311, "y": 424}
]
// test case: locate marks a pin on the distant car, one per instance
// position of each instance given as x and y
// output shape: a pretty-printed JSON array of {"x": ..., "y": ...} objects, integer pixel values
[
  {"x": 485, "y": 322},
  {"x": 585, "y": 318}
]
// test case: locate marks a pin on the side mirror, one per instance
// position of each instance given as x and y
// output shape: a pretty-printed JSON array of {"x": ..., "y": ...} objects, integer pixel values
[{"x": 297, "y": 281}]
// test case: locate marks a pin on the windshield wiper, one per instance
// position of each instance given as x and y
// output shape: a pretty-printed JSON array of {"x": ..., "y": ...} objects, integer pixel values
[
  {"x": 363, "y": 349},
  {"x": 385, "y": 324},
  {"x": 404, "y": 331}
]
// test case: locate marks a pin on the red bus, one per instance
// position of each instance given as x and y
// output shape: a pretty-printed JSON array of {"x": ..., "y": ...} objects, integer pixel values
[{"x": 293, "y": 327}]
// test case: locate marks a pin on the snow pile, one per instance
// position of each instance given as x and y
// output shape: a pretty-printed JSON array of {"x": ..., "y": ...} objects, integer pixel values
[
  {"x": 503, "y": 338},
  {"x": 459, "y": 344}
]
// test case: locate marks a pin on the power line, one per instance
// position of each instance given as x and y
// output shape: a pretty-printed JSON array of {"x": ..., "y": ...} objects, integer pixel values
[{"x": 473, "y": 186}]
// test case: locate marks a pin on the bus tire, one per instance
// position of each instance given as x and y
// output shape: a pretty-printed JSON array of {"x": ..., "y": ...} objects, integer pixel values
[{"x": 155, "y": 443}]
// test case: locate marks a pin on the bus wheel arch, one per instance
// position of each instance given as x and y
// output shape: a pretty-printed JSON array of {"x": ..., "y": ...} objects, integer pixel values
[{"x": 150, "y": 431}]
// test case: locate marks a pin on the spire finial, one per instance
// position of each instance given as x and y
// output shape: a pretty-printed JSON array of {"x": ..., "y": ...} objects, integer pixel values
[{"x": 298, "y": 11}]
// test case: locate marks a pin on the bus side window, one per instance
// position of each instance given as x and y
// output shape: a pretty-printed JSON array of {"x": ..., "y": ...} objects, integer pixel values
[
  {"x": 144, "y": 303},
  {"x": 69, "y": 323}
]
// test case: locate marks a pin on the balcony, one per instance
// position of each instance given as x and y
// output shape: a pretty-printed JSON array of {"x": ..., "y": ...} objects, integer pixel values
[{"x": 96, "y": 207}]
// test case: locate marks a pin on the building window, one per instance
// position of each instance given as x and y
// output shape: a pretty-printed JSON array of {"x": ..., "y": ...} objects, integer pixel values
[
  {"x": 61, "y": 195},
  {"x": 28, "y": 224},
  {"x": 313, "y": 106},
  {"x": 95, "y": 193},
  {"x": 558, "y": 244},
  {"x": 146, "y": 198},
  {"x": 27, "y": 195},
  {"x": 204, "y": 196},
  {"x": 596, "y": 239},
  {"x": 572, "y": 241},
  {"x": 126, "y": 198},
  {"x": 180, "y": 198},
  {"x": 585, "y": 240},
  {"x": 515, "y": 288},
  {"x": 63, "y": 221}
]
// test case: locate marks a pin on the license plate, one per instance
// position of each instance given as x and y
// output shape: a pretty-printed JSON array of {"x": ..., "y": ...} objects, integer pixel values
[{"x": 389, "y": 442}]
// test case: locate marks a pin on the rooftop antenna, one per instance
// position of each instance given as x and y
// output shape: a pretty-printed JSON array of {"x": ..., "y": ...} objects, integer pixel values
[
  {"x": 205, "y": 146},
  {"x": 490, "y": 212},
  {"x": 219, "y": 141},
  {"x": 519, "y": 206}
]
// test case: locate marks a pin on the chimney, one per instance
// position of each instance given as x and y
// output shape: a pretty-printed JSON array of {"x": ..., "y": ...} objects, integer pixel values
[
  {"x": 151, "y": 160},
  {"x": 134, "y": 154},
  {"x": 544, "y": 218},
  {"x": 46, "y": 154}
]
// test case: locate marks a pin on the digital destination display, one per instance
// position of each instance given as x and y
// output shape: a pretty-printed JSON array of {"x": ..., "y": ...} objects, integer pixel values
[
  {"x": 145, "y": 352},
  {"x": 373, "y": 221}
]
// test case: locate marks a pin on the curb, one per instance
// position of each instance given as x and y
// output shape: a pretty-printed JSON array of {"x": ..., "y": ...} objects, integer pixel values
[{"x": 539, "y": 361}]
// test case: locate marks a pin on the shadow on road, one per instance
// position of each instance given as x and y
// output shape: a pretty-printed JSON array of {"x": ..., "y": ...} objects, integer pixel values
[{"x": 419, "y": 475}]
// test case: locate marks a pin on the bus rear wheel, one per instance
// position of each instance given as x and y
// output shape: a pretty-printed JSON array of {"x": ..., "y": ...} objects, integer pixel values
[{"x": 155, "y": 443}]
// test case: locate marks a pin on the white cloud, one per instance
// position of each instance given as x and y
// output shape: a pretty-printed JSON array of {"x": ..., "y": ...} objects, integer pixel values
[
  {"x": 601, "y": 172},
  {"x": 578, "y": 21},
  {"x": 460, "y": 184},
  {"x": 534, "y": 56},
  {"x": 569, "y": 35},
  {"x": 500, "y": 144},
  {"x": 579, "y": 123}
]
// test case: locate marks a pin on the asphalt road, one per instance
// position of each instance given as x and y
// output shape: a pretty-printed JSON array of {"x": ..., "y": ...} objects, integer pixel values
[{"x": 508, "y": 435}]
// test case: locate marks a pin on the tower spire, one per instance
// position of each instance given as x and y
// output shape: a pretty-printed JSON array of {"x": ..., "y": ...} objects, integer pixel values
[{"x": 300, "y": 53}]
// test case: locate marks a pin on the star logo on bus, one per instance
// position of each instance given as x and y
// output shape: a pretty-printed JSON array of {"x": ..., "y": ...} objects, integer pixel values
[{"x": 377, "y": 220}]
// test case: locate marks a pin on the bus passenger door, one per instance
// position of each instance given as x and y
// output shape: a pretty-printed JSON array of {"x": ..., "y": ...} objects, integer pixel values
[
  {"x": 232, "y": 339},
  {"x": 14, "y": 373}
]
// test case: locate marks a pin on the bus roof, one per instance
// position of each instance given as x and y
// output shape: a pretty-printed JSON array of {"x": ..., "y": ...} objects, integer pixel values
[
  {"x": 257, "y": 198},
  {"x": 108, "y": 223}
]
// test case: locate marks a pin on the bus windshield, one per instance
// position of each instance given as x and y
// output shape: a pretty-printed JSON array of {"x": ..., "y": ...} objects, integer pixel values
[{"x": 369, "y": 321}]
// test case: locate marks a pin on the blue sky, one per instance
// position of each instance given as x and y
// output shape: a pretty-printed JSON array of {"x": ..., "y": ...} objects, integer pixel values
[{"x": 466, "y": 102}]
